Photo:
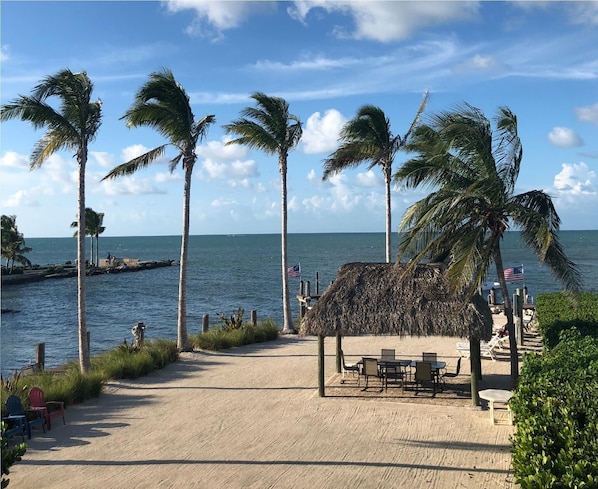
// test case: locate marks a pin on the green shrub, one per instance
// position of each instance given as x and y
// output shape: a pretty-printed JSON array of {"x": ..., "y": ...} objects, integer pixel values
[
  {"x": 221, "y": 339},
  {"x": 10, "y": 456},
  {"x": 558, "y": 312},
  {"x": 556, "y": 414}
]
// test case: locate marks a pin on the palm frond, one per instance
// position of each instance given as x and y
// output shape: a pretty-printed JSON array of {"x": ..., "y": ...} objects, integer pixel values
[{"x": 135, "y": 164}]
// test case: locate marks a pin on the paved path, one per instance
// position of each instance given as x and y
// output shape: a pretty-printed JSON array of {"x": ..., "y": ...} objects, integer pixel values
[{"x": 251, "y": 418}]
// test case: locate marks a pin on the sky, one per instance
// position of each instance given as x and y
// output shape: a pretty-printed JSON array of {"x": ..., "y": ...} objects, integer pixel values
[{"x": 327, "y": 59}]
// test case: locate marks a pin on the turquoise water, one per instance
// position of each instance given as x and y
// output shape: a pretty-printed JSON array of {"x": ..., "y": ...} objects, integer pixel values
[{"x": 225, "y": 273}]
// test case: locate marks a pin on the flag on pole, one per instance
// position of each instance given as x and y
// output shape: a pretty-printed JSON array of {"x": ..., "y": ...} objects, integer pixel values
[
  {"x": 513, "y": 274},
  {"x": 294, "y": 271}
]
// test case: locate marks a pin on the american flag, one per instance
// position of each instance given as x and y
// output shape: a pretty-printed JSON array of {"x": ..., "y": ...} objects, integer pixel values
[
  {"x": 514, "y": 273},
  {"x": 294, "y": 271}
]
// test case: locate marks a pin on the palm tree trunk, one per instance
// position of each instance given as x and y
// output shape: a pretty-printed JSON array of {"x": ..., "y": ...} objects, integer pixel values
[
  {"x": 182, "y": 338},
  {"x": 97, "y": 250},
  {"x": 508, "y": 310},
  {"x": 84, "y": 354},
  {"x": 386, "y": 170},
  {"x": 91, "y": 249},
  {"x": 287, "y": 326}
]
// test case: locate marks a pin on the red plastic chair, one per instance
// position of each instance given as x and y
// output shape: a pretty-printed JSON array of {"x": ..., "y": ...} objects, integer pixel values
[{"x": 51, "y": 409}]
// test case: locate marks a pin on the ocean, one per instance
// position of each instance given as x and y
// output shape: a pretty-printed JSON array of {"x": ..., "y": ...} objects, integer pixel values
[{"x": 225, "y": 273}]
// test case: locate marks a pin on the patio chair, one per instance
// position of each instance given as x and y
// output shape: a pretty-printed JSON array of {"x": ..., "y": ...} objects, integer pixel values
[
  {"x": 348, "y": 367},
  {"x": 33, "y": 417},
  {"x": 14, "y": 425},
  {"x": 452, "y": 374},
  {"x": 423, "y": 374},
  {"x": 370, "y": 369},
  {"x": 51, "y": 409},
  {"x": 387, "y": 354},
  {"x": 429, "y": 357}
]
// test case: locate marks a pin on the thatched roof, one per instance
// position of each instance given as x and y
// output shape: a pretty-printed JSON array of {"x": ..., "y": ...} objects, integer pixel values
[{"x": 371, "y": 298}]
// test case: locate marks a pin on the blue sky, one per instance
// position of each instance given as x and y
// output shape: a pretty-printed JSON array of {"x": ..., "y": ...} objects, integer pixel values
[{"x": 326, "y": 58}]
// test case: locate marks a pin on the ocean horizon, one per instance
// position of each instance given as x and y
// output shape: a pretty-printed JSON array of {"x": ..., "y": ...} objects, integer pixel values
[{"x": 225, "y": 272}]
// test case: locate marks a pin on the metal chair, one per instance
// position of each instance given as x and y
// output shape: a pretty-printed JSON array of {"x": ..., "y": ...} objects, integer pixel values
[
  {"x": 387, "y": 354},
  {"x": 371, "y": 369},
  {"x": 429, "y": 357},
  {"x": 348, "y": 367},
  {"x": 423, "y": 374}
]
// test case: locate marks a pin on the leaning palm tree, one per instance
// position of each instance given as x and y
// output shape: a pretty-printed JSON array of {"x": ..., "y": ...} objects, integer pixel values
[
  {"x": 367, "y": 137},
  {"x": 473, "y": 171},
  {"x": 71, "y": 127},
  {"x": 163, "y": 104},
  {"x": 269, "y": 127}
]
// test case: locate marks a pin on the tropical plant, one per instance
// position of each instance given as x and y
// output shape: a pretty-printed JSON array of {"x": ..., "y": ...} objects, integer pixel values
[
  {"x": 93, "y": 228},
  {"x": 368, "y": 138},
  {"x": 270, "y": 128},
  {"x": 163, "y": 104},
  {"x": 473, "y": 171},
  {"x": 10, "y": 456},
  {"x": 71, "y": 127},
  {"x": 13, "y": 243}
]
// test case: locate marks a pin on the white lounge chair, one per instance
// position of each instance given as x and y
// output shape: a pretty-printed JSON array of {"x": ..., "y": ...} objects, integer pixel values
[{"x": 486, "y": 348}]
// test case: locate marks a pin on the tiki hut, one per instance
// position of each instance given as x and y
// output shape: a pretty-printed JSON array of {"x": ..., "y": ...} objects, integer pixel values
[{"x": 374, "y": 298}]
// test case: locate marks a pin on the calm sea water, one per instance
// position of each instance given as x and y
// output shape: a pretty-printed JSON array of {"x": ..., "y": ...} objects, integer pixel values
[{"x": 225, "y": 273}]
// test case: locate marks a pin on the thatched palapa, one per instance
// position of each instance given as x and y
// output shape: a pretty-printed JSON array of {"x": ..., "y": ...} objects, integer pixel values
[{"x": 371, "y": 298}]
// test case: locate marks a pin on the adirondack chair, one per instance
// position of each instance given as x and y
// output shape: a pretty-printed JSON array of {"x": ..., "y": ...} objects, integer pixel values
[
  {"x": 14, "y": 425},
  {"x": 33, "y": 417},
  {"x": 50, "y": 409}
]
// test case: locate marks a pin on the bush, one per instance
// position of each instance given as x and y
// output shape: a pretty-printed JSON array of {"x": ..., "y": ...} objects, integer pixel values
[
  {"x": 559, "y": 312},
  {"x": 556, "y": 413},
  {"x": 221, "y": 339},
  {"x": 10, "y": 456}
]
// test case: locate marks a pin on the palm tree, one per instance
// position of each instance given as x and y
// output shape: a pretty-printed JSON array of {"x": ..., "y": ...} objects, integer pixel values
[
  {"x": 71, "y": 127},
  {"x": 93, "y": 228},
  {"x": 473, "y": 172},
  {"x": 269, "y": 127},
  {"x": 163, "y": 104},
  {"x": 367, "y": 137},
  {"x": 13, "y": 243}
]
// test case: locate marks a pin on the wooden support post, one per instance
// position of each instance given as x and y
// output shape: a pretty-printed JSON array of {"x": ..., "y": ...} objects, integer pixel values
[
  {"x": 339, "y": 347},
  {"x": 321, "y": 388},
  {"x": 253, "y": 316},
  {"x": 317, "y": 284},
  {"x": 40, "y": 356},
  {"x": 476, "y": 370},
  {"x": 518, "y": 316},
  {"x": 205, "y": 323}
]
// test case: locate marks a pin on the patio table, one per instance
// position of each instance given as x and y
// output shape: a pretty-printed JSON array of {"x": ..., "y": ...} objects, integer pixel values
[{"x": 499, "y": 396}]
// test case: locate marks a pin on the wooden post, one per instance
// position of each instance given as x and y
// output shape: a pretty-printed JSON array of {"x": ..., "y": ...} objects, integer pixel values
[
  {"x": 339, "y": 347},
  {"x": 205, "y": 323},
  {"x": 317, "y": 284},
  {"x": 476, "y": 371},
  {"x": 40, "y": 356},
  {"x": 253, "y": 316},
  {"x": 518, "y": 316},
  {"x": 301, "y": 303},
  {"x": 321, "y": 389}
]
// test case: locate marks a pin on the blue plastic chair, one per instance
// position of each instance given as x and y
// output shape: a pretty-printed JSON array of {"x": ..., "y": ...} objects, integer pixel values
[{"x": 33, "y": 417}]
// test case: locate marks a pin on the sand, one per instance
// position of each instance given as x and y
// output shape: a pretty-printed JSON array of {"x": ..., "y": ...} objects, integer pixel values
[{"x": 251, "y": 417}]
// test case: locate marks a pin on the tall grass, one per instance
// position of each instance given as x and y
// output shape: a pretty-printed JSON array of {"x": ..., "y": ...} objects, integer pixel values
[{"x": 221, "y": 339}]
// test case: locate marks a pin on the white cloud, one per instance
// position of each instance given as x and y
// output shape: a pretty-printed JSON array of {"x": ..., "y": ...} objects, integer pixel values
[
  {"x": 576, "y": 180},
  {"x": 212, "y": 18},
  {"x": 12, "y": 159},
  {"x": 369, "y": 179},
  {"x": 321, "y": 133},
  {"x": 237, "y": 170},
  {"x": 105, "y": 160},
  {"x": 564, "y": 137},
  {"x": 219, "y": 150},
  {"x": 588, "y": 113},
  {"x": 21, "y": 198},
  {"x": 387, "y": 21},
  {"x": 481, "y": 63}
]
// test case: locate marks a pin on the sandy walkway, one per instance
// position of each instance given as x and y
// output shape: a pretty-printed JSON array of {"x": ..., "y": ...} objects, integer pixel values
[{"x": 251, "y": 418}]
